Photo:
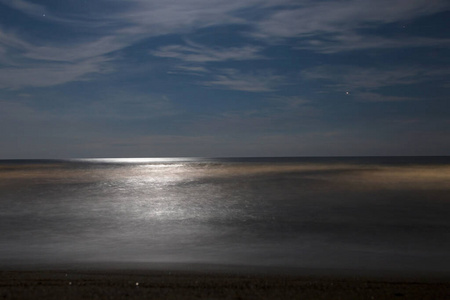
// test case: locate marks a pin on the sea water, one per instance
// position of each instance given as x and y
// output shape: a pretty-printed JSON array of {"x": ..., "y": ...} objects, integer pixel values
[{"x": 388, "y": 213}]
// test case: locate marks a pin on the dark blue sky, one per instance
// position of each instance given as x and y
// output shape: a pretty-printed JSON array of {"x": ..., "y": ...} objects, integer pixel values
[{"x": 143, "y": 78}]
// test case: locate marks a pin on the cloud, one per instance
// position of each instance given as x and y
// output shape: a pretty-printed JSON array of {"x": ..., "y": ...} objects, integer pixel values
[
  {"x": 156, "y": 18},
  {"x": 373, "y": 84},
  {"x": 28, "y": 64},
  {"x": 195, "y": 53},
  {"x": 11, "y": 48},
  {"x": 322, "y": 26},
  {"x": 334, "y": 26},
  {"x": 25, "y": 7},
  {"x": 349, "y": 77},
  {"x": 39, "y": 75},
  {"x": 314, "y": 17},
  {"x": 291, "y": 102},
  {"x": 192, "y": 70},
  {"x": 117, "y": 26},
  {"x": 375, "y": 97},
  {"x": 353, "y": 42},
  {"x": 256, "y": 82}
]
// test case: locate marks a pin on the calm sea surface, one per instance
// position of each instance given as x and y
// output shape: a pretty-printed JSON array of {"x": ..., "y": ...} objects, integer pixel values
[{"x": 317, "y": 213}]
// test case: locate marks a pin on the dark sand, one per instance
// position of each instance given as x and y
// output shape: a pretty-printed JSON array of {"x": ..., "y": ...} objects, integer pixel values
[{"x": 160, "y": 284}]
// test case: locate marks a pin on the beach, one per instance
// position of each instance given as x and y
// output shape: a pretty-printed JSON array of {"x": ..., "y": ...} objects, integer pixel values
[{"x": 198, "y": 284}]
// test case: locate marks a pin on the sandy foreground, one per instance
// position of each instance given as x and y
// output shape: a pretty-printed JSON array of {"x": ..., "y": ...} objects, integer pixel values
[{"x": 164, "y": 284}]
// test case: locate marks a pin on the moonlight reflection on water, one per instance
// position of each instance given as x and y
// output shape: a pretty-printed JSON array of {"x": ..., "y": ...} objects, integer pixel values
[{"x": 298, "y": 213}]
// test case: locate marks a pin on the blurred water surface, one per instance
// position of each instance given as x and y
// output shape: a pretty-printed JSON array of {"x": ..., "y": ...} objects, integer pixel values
[{"x": 324, "y": 213}]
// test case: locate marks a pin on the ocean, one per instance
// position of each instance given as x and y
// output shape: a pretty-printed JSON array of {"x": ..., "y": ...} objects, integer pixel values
[{"x": 366, "y": 214}]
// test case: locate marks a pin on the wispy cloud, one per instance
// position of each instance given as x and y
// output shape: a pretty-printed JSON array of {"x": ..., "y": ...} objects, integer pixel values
[
  {"x": 355, "y": 42},
  {"x": 236, "y": 80},
  {"x": 11, "y": 48},
  {"x": 334, "y": 26},
  {"x": 369, "y": 84},
  {"x": 312, "y": 17},
  {"x": 25, "y": 7},
  {"x": 345, "y": 77},
  {"x": 28, "y": 64},
  {"x": 59, "y": 61},
  {"x": 323, "y": 26},
  {"x": 291, "y": 102},
  {"x": 202, "y": 54},
  {"x": 198, "y": 70},
  {"x": 38, "y": 75},
  {"x": 377, "y": 97}
]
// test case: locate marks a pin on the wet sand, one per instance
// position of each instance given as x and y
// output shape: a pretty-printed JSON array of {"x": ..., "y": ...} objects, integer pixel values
[{"x": 163, "y": 284}]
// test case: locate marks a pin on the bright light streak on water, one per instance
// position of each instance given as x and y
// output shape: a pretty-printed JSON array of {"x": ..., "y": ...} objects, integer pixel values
[
  {"x": 136, "y": 160},
  {"x": 306, "y": 213}
]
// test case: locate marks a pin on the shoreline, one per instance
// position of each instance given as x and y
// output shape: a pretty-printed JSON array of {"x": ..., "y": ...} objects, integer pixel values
[{"x": 94, "y": 282}]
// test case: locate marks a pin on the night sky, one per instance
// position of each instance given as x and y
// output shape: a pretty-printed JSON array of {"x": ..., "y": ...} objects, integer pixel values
[{"x": 217, "y": 78}]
